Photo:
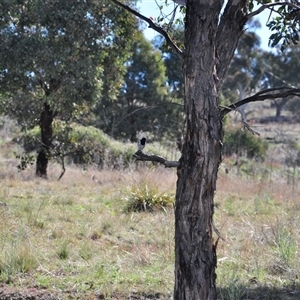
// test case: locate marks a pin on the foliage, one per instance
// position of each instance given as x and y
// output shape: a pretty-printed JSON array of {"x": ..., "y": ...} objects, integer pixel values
[
  {"x": 293, "y": 106},
  {"x": 143, "y": 103},
  {"x": 145, "y": 198},
  {"x": 173, "y": 64},
  {"x": 243, "y": 143},
  {"x": 283, "y": 21},
  {"x": 286, "y": 26},
  {"x": 281, "y": 69},
  {"x": 57, "y": 49},
  {"x": 82, "y": 145},
  {"x": 25, "y": 160},
  {"x": 245, "y": 71},
  {"x": 54, "y": 58}
]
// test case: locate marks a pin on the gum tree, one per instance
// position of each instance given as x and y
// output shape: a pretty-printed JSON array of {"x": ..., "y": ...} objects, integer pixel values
[
  {"x": 54, "y": 57},
  {"x": 212, "y": 31}
]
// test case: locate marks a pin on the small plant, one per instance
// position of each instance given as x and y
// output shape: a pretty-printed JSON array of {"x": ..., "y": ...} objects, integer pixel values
[
  {"x": 85, "y": 252},
  {"x": 25, "y": 160},
  {"x": 233, "y": 291},
  {"x": 285, "y": 244},
  {"x": 147, "y": 199},
  {"x": 33, "y": 211},
  {"x": 263, "y": 204},
  {"x": 229, "y": 204},
  {"x": 232, "y": 287},
  {"x": 17, "y": 258},
  {"x": 63, "y": 251}
]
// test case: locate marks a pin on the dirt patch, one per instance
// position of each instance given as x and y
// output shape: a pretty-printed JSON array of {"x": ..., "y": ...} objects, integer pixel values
[{"x": 15, "y": 293}]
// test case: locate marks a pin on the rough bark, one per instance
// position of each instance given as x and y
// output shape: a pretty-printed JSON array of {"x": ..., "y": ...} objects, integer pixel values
[
  {"x": 46, "y": 120},
  {"x": 204, "y": 71},
  {"x": 210, "y": 41},
  {"x": 279, "y": 106},
  {"x": 231, "y": 27}
]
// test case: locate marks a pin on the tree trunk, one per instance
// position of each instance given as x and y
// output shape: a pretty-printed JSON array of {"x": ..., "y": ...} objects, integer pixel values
[
  {"x": 206, "y": 38},
  {"x": 46, "y": 120},
  {"x": 279, "y": 106}
]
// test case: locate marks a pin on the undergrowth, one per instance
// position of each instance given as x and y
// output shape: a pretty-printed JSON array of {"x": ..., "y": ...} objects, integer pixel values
[{"x": 145, "y": 198}]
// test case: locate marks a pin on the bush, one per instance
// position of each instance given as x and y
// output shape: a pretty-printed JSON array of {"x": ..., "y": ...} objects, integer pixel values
[
  {"x": 143, "y": 198},
  {"x": 293, "y": 106},
  {"x": 243, "y": 143},
  {"x": 82, "y": 145}
]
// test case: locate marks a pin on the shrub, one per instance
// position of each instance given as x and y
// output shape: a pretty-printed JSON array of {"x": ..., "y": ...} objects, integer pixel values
[
  {"x": 143, "y": 198},
  {"x": 243, "y": 143},
  {"x": 294, "y": 107},
  {"x": 82, "y": 145}
]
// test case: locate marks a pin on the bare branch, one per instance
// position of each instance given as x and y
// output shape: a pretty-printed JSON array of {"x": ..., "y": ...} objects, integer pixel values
[
  {"x": 266, "y": 94},
  {"x": 152, "y": 25},
  {"x": 244, "y": 122},
  {"x": 139, "y": 155},
  {"x": 269, "y": 6}
]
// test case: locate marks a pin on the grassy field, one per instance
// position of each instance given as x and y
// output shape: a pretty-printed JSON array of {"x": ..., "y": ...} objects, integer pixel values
[{"x": 77, "y": 239}]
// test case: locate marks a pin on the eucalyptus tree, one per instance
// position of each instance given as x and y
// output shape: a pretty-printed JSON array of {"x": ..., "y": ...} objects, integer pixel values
[
  {"x": 282, "y": 68},
  {"x": 212, "y": 31},
  {"x": 144, "y": 103},
  {"x": 54, "y": 57}
]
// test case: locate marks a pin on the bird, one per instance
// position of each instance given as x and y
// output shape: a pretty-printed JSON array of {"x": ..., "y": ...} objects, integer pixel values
[
  {"x": 180, "y": 2},
  {"x": 141, "y": 143}
]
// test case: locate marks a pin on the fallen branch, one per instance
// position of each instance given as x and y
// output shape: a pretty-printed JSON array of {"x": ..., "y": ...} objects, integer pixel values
[{"x": 139, "y": 155}]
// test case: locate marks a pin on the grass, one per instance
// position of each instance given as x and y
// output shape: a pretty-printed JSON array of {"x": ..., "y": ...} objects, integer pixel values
[
  {"x": 77, "y": 235},
  {"x": 260, "y": 225}
]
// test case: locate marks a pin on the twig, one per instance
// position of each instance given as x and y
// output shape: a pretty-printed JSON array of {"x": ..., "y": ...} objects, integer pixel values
[
  {"x": 139, "y": 155},
  {"x": 243, "y": 116},
  {"x": 244, "y": 122},
  {"x": 152, "y": 25},
  {"x": 271, "y": 5},
  {"x": 217, "y": 232}
]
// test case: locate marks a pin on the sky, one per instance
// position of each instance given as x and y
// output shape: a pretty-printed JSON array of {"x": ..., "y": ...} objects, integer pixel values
[{"x": 149, "y": 9}]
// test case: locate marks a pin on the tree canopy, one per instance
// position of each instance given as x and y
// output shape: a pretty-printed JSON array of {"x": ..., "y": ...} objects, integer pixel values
[
  {"x": 58, "y": 50},
  {"x": 57, "y": 57}
]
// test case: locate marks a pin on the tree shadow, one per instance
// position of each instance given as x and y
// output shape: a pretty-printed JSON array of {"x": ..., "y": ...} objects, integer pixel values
[{"x": 258, "y": 292}]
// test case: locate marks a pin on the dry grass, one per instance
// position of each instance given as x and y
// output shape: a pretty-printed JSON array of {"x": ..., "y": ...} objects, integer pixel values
[
  {"x": 260, "y": 224},
  {"x": 74, "y": 236}
]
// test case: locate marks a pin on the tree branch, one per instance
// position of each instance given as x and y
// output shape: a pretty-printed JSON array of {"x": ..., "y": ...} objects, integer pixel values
[
  {"x": 139, "y": 155},
  {"x": 267, "y": 94},
  {"x": 270, "y": 5},
  {"x": 152, "y": 25}
]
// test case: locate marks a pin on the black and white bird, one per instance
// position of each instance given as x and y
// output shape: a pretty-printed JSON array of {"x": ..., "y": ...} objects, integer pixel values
[
  {"x": 141, "y": 143},
  {"x": 180, "y": 2}
]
